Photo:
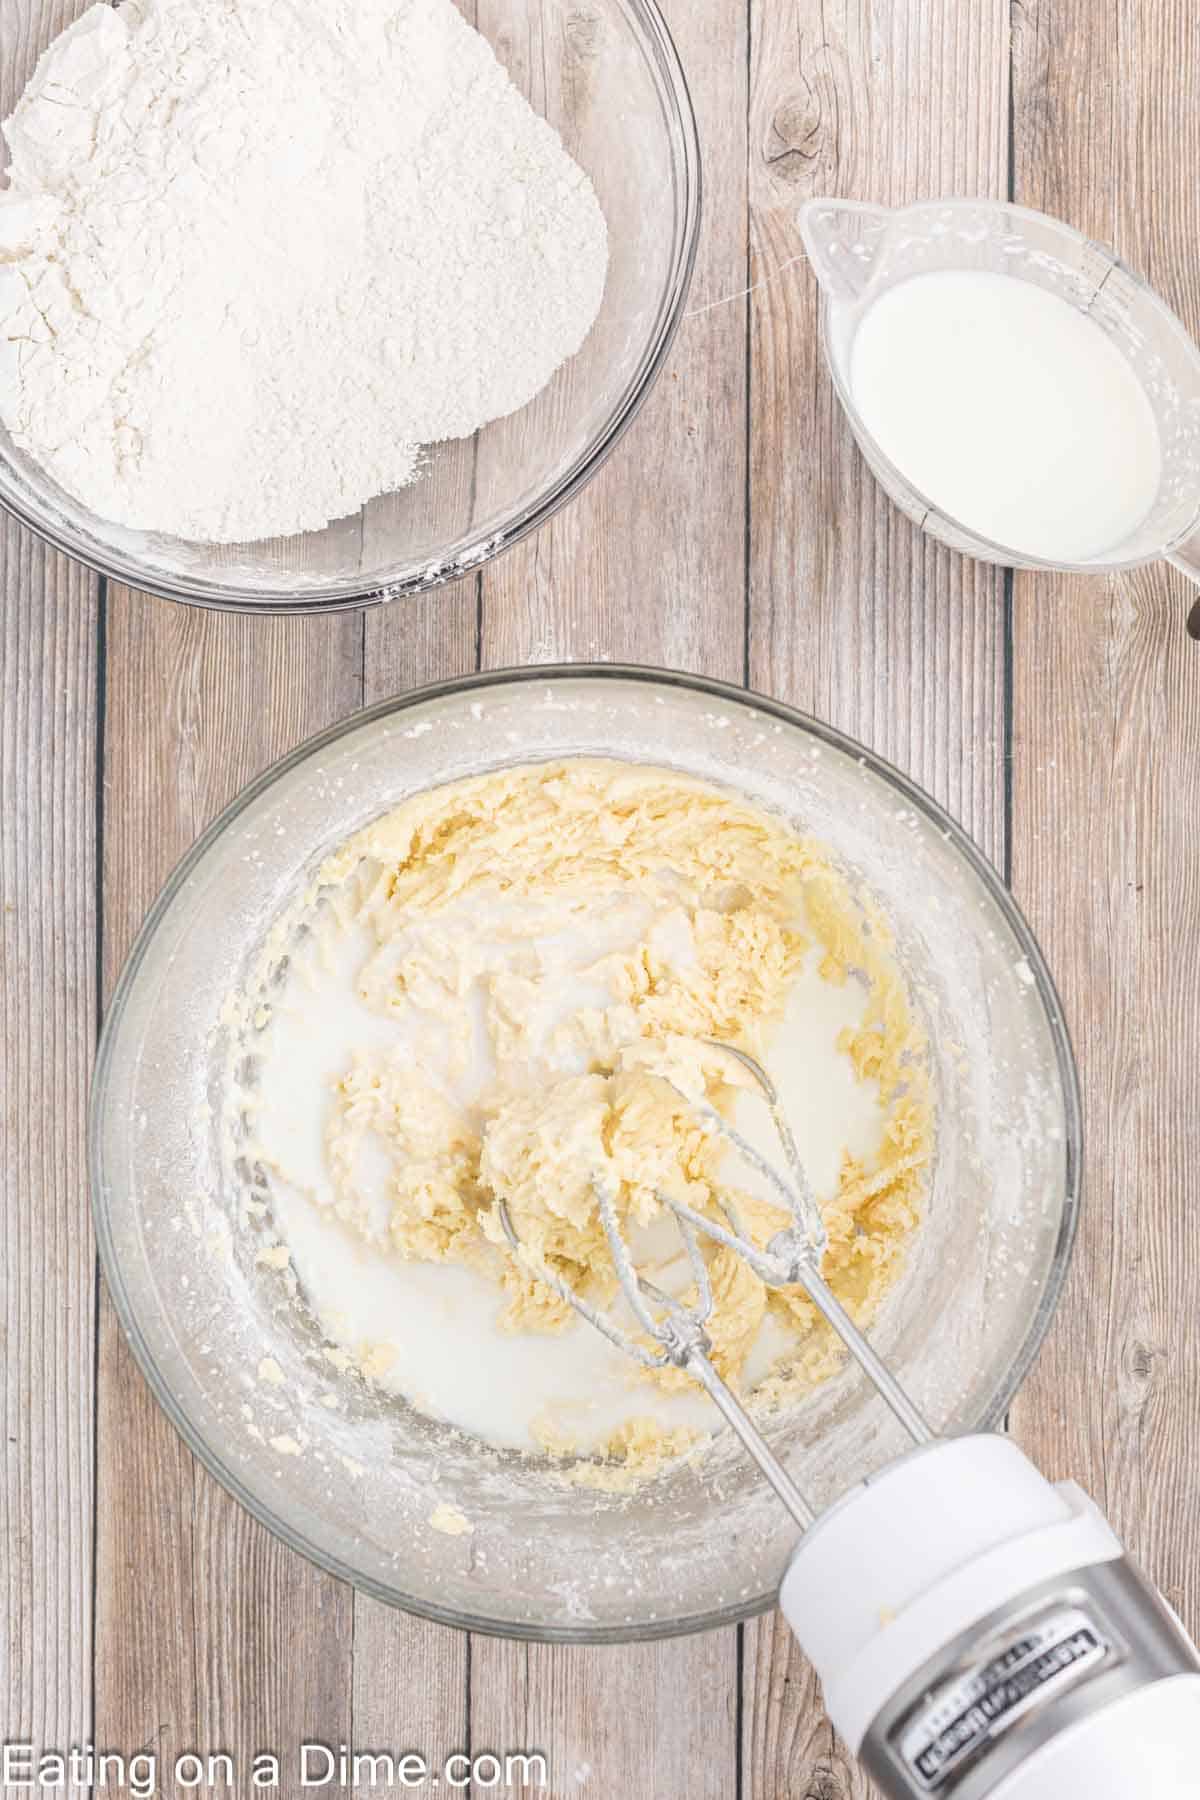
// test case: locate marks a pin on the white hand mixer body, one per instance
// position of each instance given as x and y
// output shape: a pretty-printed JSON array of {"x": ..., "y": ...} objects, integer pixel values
[{"x": 978, "y": 1630}]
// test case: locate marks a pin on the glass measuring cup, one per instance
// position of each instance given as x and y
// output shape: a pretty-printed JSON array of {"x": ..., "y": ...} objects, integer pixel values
[{"x": 858, "y": 252}]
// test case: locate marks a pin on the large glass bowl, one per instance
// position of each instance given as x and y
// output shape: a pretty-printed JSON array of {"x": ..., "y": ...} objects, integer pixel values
[
  {"x": 700, "y": 1545},
  {"x": 612, "y": 85}
]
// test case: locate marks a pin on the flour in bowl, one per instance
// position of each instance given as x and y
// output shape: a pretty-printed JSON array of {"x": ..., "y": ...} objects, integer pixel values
[{"x": 253, "y": 256}]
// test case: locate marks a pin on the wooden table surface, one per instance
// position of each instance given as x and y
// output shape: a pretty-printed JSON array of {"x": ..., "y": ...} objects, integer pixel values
[{"x": 1057, "y": 718}]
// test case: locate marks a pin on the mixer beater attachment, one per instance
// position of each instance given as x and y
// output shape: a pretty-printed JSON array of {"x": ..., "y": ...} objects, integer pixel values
[
  {"x": 792, "y": 1258},
  {"x": 975, "y": 1628}
]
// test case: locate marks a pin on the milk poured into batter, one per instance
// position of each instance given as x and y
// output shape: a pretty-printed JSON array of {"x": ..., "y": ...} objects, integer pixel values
[
  {"x": 496, "y": 1385},
  {"x": 505, "y": 986},
  {"x": 1010, "y": 410}
]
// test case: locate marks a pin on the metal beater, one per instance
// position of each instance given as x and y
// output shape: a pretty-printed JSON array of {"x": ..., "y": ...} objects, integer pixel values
[
  {"x": 978, "y": 1630},
  {"x": 792, "y": 1258}
]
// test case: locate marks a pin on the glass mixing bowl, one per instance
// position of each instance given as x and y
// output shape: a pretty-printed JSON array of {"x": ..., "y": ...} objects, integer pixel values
[
  {"x": 612, "y": 85},
  {"x": 699, "y": 1545}
]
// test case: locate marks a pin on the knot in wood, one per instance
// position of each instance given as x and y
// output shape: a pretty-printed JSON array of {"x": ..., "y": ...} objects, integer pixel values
[{"x": 793, "y": 138}]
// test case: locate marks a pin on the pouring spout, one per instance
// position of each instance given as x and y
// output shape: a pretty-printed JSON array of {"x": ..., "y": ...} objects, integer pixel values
[{"x": 843, "y": 239}]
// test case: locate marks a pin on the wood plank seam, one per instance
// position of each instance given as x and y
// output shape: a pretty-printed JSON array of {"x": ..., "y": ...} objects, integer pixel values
[{"x": 98, "y": 902}]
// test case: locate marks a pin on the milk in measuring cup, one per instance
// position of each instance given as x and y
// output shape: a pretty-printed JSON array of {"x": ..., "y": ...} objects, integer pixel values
[{"x": 1009, "y": 409}]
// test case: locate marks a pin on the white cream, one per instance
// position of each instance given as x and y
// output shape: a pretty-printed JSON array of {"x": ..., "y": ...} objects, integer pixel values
[{"x": 1010, "y": 410}]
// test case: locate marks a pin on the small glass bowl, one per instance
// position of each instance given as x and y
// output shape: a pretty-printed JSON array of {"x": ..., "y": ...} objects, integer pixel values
[{"x": 617, "y": 95}]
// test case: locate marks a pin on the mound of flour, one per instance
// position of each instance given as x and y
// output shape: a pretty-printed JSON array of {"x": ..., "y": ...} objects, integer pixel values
[{"x": 252, "y": 255}]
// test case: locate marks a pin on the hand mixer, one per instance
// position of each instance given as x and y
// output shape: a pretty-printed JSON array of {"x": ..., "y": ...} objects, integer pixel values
[{"x": 978, "y": 1630}]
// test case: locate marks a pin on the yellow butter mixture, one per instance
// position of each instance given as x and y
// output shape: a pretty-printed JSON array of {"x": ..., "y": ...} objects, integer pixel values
[{"x": 521, "y": 1069}]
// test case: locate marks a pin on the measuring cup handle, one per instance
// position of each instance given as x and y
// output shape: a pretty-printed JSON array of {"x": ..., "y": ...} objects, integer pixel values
[{"x": 1186, "y": 558}]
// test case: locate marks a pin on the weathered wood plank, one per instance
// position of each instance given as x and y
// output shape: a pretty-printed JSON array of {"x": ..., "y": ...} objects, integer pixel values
[
  {"x": 48, "y": 638},
  {"x": 433, "y": 637},
  {"x": 48, "y": 634},
  {"x": 636, "y": 1719},
  {"x": 411, "y": 1686},
  {"x": 646, "y": 566},
  {"x": 1106, "y": 854},
  {"x": 210, "y": 1634},
  {"x": 853, "y": 615}
]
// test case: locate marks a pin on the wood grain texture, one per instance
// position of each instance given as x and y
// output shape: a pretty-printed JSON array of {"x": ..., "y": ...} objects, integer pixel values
[
  {"x": 854, "y": 616},
  {"x": 48, "y": 633},
  {"x": 647, "y": 565},
  {"x": 411, "y": 1687},
  {"x": 210, "y": 1634},
  {"x": 433, "y": 637},
  {"x": 636, "y": 1719},
  {"x": 48, "y": 1018},
  {"x": 1106, "y": 853}
]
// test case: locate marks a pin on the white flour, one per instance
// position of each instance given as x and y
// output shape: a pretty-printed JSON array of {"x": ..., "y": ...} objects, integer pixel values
[{"x": 253, "y": 255}]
